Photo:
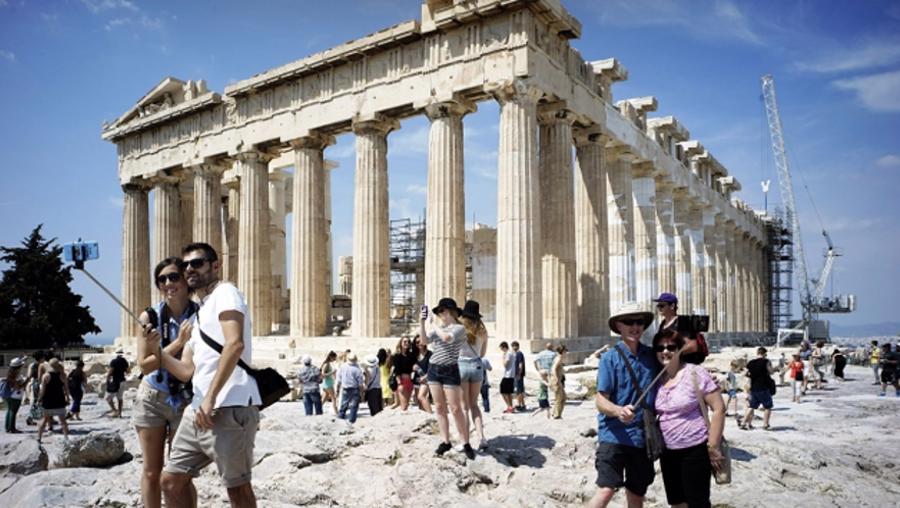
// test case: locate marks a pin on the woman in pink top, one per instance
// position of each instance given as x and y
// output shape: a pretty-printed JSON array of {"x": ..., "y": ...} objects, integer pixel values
[{"x": 692, "y": 444}]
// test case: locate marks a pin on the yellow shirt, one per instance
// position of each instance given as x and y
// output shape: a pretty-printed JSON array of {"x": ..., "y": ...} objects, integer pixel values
[{"x": 875, "y": 357}]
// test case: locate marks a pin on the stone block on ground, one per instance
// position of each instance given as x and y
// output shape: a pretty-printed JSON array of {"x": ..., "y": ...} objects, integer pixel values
[
  {"x": 22, "y": 455},
  {"x": 97, "y": 449}
]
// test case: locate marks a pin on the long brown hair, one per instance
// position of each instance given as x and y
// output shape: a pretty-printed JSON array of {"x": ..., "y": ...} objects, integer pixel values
[{"x": 474, "y": 328}]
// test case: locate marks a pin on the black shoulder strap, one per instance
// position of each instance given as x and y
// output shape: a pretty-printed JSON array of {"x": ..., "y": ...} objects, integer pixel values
[
  {"x": 218, "y": 349},
  {"x": 634, "y": 378}
]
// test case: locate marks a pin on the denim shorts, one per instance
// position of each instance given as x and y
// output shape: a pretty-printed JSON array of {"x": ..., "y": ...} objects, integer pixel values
[
  {"x": 471, "y": 370},
  {"x": 447, "y": 375},
  {"x": 760, "y": 397},
  {"x": 520, "y": 385}
]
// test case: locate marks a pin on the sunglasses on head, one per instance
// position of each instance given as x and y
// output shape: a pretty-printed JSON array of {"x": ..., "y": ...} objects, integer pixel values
[
  {"x": 659, "y": 348},
  {"x": 631, "y": 321},
  {"x": 195, "y": 263},
  {"x": 168, "y": 277}
]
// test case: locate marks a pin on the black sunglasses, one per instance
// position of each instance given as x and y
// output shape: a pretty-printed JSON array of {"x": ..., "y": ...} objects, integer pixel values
[
  {"x": 196, "y": 262},
  {"x": 659, "y": 348},
  {"x": 662, "y": 305},
  {"x": 631, "y": 322},
  {"x": 168, "y": 277}
]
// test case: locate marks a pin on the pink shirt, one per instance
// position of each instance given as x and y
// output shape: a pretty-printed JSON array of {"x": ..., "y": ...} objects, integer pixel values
[{"x": 680, "y": 419}]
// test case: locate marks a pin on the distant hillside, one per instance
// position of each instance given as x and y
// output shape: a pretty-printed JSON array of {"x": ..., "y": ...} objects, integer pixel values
[{"x": 888, "y": 328}]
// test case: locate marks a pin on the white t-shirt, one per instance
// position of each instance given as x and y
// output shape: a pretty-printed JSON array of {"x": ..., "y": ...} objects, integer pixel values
[{"x": 240, "y": 389}]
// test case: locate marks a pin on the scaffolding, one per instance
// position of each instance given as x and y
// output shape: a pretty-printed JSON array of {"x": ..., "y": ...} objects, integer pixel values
[
  {"x": 780, "y": 253},
  {"x": 407, "y": 271}
]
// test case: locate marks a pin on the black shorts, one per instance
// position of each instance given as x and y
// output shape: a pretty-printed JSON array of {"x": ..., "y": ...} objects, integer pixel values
[
  {"x": 686, "y": 474},
  {"x": 887, "y": 376},
  {"x": 619, "y": 465},
  {"x": 506, "y": 385}
]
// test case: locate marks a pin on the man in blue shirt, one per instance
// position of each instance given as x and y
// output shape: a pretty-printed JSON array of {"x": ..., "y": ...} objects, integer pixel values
[{"x": 621, "y": 459}]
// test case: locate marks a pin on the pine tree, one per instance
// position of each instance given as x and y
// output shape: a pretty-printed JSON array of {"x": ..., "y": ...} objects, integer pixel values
[{"x": 37, "y": 307}]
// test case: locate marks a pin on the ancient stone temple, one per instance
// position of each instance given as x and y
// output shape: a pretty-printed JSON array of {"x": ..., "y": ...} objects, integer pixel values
[{"x": 597, "y": 202}]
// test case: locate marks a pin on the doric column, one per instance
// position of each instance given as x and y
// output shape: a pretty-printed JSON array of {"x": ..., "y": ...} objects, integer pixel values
[
  {"x": 709, "y": 255},
  {"x": 135, "y": 259},
  {"x": 519, "y": 250},
  {"x": 698, "y": 260},
  {"x": 254, "y": 262},
  {"x": 208, "y": 205},
  {"x": 445, "y": 234},
  {"x": 186, "y": 205},
  {"x": 309, "y": 301},
  {"x": 231, "y": 214},
  {"x": 746, "y": 303},
  {"x": 167, "y": 240},
  {"x": 591, "y": 253},
  {"x": 371, "y": 230},
  {"x": 731, "y": 281},
  {"x": 665, "y": 236},
  {"x": 721, "y": 275},
  {"x": 621, "y": 229},
  {"x": 643, "y": 195},
  {"x": 683, "y": 280},
  {"x": 329, "y": 249},
  {"x": 277, "y": 245},
  {"x": 558, "y": 289}
]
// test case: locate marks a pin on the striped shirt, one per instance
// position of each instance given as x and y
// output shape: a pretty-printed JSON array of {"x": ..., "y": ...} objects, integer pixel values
[{"x": 447, "y": 353}]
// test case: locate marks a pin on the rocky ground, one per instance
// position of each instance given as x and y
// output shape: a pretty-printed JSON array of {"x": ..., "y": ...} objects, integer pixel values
[{"x": 835, "y": 448}]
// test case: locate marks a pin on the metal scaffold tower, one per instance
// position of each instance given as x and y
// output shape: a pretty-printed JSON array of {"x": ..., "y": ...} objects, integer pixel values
[
  {"x": 407, "y": 270},
  {"x": 781, "y": 270}
]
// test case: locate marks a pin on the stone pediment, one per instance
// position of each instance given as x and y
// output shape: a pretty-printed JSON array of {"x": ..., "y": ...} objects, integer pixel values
[{"x": 169, "y": 93}]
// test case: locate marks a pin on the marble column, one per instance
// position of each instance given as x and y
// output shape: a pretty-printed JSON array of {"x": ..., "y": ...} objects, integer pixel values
[
  {"x": 620, "y": 228},
  {"x": 167, "y": 239},
  {"x": 329, "y": 249},
  {"x": 745, "y": 283},
  {"x": 371, "y": 230},
  {"x": 643, "y": 195},
  {"x": 231, "y": 214},
  {"x": 591, "y": 253},
  {"x": 709, "y": 255},
  {"x": 135, "y": 260},
  {"x": 683, "y": 279},
  {"x": 519, "y": 249},
  {"x": 277, "y": 246},
  {"x": 721, "y": 275},
  {"x": 309, "y": 301},
  {"x": 731, "y": 281},
  {"x": 208, "y": 205},
  {"x": 698, "y": 260},
  {"x": 254, "y": 262},
  {"x": 445, "y": 235},
  {"x": 559, "y": 293},
  {"x": 665, "y": 236},
  {"x": 186, "y": 205}
]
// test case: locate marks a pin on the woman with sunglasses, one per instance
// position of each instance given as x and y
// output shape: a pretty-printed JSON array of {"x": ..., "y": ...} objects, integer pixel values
[
  {"x": 692, "y": 443},
  {"x": 161, "y": 398}
]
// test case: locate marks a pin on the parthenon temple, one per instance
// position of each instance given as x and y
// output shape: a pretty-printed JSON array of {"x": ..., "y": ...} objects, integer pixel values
[{"x": 597, "y": 201}]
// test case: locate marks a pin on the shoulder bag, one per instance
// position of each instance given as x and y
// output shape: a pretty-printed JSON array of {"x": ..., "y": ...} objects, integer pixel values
[
  {"x": 272, "y": 386},
  {"x": 653, "y": 438},
  {"x": 723, "y": 475}
]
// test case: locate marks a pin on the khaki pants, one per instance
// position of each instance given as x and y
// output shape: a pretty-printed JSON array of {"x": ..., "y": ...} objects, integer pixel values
[{"x": 559, "y": 397}]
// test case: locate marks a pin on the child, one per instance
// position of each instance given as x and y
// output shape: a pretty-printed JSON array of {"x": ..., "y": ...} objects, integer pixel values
[
  {"x": 507, "y": 384},
  {"x": 486, "y": 386},
  {"x": 732, "y": 388},
  {"x": 543, "y": 395},
  {"x": 796, "y": 374}
]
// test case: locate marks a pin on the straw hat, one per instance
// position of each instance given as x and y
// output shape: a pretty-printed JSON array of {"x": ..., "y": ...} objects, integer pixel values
[{"x": 630, "y": 309}]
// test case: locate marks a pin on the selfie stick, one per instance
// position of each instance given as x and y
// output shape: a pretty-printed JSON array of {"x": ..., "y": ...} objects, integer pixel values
[
  {"x": 661, "y": 371},
  {"x": 111, "y": 295}
]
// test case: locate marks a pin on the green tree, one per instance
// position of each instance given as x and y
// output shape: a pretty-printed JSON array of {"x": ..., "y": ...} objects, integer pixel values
[{"x": 37, "y": 307}]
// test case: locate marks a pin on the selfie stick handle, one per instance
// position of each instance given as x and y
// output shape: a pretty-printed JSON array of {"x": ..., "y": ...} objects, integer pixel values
[
  {"x": 646, "y": 391},
  {"x": 111, "y": 295}
]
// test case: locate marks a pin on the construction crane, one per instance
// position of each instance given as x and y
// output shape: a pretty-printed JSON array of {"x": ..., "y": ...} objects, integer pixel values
[{"x": 811, "y": 301}]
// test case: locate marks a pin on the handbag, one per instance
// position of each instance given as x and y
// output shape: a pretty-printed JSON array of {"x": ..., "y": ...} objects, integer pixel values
[
  {"x": 723, "y": 475},
  {"x": 653, "y": 438},
  {"x": 772, "y": 386},
  {"x": 272, "y": 385}
]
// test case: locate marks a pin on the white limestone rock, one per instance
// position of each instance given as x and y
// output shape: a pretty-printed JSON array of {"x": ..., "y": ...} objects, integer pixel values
[
  {"x": 21, "y": 455},
  {"x": 97, "y": 449}
]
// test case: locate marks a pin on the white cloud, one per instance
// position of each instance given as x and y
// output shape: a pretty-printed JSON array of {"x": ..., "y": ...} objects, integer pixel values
[
  {"x": 9, "y": 56},
  {"x": 877, "y": 92},
  {"x": 400, "y": 208},
  {"x": 3, "y": 3},
  {"x": 98, "y": 6},
  {"x": 417, "y": 189},
  {"x": 716, "y": 19},
  {"x": 409, "y": 142},
  {"x": 869, "y": 54},
  {"x": 888, "y": 161},
  {"x": 144, "y": 21}
]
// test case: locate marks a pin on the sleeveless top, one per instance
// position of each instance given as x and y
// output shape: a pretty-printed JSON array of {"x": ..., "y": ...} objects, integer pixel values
[
  {"x": 168, "y": 331},
  {"x": 54, "y": 394}
]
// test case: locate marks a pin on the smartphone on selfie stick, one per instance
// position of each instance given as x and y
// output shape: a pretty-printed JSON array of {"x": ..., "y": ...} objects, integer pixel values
[{"x": 79, "y": 252}]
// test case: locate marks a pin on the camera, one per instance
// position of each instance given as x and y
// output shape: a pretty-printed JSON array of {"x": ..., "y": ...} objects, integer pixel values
[
  {"x": 693, "y": 324},
  {"x": 79, "y": 252}
]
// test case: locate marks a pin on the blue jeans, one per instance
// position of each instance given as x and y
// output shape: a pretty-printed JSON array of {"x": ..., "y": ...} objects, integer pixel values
[
  {"x": 486, "y": 397},
  {"x": 349, "y": 400},
  {"x": 311, "y": 400}
]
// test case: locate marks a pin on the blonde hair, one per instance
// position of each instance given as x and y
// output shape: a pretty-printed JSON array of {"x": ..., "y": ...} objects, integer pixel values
[
  {"x": 474, "y": 328},
  {"x": 56, "y": 365}
]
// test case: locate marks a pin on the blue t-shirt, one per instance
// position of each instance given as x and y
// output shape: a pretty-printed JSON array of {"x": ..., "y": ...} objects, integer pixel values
[{"x": 614, "y": 380}]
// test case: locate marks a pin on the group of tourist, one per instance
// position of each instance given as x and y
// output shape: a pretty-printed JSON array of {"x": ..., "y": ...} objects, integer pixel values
[{"x": 885, "y": 363}]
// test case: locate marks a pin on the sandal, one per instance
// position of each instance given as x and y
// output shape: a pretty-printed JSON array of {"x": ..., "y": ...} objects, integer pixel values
[{"x": 767, "y": 427}]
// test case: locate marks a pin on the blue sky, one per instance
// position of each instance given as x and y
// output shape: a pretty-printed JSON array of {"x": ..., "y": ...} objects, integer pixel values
[{"x": 66, "y": 66}]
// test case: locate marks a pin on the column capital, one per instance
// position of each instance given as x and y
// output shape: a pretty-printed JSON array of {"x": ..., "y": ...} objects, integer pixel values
[
  {"x": 162, "y": 178},
  {"x": 619, "y": 151},
  {"x": 589, "y": 136},
  {"x": 255, "y": 155},
  {"x": 556, "y": 112},
  {"x": 443, "y": 109},
  {"x": 377, "y": 124},
  {"x": 514, "y": 90},
  {"x": 315, "y": 141},
  {"x": 210, "y": 168},
  {"x": 136, "y": 185},
  {"x": 643, "y": 169}
]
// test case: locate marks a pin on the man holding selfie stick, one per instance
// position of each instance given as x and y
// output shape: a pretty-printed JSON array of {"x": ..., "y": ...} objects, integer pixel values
[
  {"x": 220, "y": 426},
  {"x": 621, "y": 459}
]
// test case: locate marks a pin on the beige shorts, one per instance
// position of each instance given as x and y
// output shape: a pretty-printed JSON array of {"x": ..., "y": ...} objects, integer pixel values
[
  {"x": 229, "y": 444},
  {"x": 152, "y": 411}
]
